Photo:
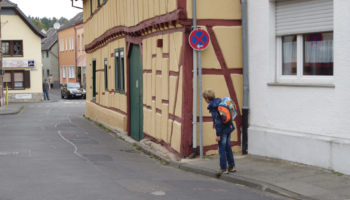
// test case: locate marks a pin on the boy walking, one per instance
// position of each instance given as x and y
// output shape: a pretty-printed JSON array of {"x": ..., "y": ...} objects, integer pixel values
[{"x": 223, "y": 134}]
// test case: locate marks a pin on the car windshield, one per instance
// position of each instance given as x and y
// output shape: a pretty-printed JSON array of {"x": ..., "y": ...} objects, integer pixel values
[{"x": 73, "y": 85}]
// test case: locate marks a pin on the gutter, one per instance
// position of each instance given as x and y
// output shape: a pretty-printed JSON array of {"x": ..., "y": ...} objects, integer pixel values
[{"x": 74, "y": 5}]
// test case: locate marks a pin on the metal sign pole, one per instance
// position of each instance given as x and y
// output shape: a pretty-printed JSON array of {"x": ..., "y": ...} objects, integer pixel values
[
  {"x": 194, "y": 120},
  {"x": 200, "y": 103}
]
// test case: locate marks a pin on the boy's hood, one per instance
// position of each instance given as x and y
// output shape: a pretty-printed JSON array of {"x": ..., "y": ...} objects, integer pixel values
[{"x": 214, "y": 103}]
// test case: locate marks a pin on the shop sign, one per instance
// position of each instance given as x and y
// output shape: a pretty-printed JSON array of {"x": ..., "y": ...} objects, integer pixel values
[
  {"x": 18, "y": 63},
  {"x": 23, "y": 96}
]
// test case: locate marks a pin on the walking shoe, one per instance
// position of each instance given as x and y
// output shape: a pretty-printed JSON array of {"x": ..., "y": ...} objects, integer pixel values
[
  {"x": 232, "y": 169},
  {"x": 220, "y": 172}
]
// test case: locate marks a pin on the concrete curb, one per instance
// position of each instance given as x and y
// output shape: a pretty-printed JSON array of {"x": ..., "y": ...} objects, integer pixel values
[
  {"x": 233, "y": 178},
  {"x": 248, "y": 182},
  {"x": 11, "y": 111}
]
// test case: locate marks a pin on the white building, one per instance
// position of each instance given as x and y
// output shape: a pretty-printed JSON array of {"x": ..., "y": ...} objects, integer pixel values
[
  {"x": 299, "y": 76},
  {"x": 21, "y": 55}
]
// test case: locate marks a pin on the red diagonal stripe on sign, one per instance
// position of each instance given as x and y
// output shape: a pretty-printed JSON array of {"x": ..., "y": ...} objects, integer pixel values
[{"x": 199, "y": 39}]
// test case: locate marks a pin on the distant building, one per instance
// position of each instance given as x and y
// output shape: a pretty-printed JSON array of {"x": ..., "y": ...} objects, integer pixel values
[
  {"x": 81, "y": 55},
  {"x": 68, "y": 52},
  {"x": 21, "y": 48},
  {"x": 49, "y": 52}
]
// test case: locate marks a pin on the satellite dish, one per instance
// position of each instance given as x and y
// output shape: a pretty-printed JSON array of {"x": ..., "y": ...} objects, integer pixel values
[{"x": 57, "y": 25}]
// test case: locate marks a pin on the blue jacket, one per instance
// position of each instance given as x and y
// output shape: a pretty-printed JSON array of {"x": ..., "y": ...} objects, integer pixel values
[{"x": 220, "y": 127}]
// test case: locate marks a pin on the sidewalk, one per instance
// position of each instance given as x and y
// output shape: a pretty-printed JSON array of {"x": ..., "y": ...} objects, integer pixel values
[
  {"x": 292, "y": 180},
  {"x": 15, "y": 108},
  {"x": 11, "y": 109}
]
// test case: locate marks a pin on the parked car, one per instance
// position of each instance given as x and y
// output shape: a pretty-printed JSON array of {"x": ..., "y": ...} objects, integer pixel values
[{"x": 72, "y": 90}]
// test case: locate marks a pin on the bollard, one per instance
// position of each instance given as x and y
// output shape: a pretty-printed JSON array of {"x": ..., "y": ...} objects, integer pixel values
[{"x": 7, "y": 94}]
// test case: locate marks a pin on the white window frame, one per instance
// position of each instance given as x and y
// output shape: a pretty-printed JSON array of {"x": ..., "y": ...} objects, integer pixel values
[
  {"x": 61, "y": 45},
  {"x": 63, "y": 72},
  {"x": 71, "y": 70},
  {"x": 72, "y": 43},
  {"x": 299, "y": 78}
]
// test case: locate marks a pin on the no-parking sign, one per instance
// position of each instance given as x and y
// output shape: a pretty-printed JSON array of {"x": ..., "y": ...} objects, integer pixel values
[{"x": 199, "y": 39}]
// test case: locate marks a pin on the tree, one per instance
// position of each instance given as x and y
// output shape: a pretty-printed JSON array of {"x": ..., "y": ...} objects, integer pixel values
[
  {"x": 39, "y": 24},
  {"x": 46, "y": 23}
]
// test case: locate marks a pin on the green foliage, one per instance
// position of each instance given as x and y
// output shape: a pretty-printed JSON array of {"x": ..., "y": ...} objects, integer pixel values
[
  {"x": 337, "y": 173},
  {"x": 46, "y": 23},
  {"x": 104, "y": 128}
]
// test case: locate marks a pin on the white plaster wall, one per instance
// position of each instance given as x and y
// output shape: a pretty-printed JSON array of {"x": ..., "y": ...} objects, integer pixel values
[
  {"x": 342, "y": 69},
  {"x": 291, "y": 122}
]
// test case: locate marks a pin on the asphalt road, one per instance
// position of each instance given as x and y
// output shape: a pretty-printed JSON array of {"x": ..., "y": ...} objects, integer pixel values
[{"x": 50, "y": 152}]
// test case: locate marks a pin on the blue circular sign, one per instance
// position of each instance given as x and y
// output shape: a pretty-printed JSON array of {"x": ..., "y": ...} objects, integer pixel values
[{"x": 199, "y": 39}]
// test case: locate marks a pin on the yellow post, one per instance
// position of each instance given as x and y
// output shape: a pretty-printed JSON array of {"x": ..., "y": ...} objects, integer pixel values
[{"x": 7, "y": 94}]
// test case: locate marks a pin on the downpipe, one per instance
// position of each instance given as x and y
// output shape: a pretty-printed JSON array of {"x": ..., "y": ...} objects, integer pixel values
[{"x": 245, "y": 109}]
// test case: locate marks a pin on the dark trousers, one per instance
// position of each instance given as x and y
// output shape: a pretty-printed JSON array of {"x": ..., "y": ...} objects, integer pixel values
[
  {"x": 225, "y": 152},
  {"x": 46, "y": 95}
]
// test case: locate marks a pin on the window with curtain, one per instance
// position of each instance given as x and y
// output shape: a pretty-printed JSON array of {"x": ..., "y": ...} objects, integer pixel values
[
  {"x": 71, "y": 71},
  {"x": 315, "y": 52},
  {"x": 304, "y": 37},
  {"x": 318, "y": 54},
  {"x": 64, "y": 72},
  {"x": 12, "y": 48},
  {"x": 14, "y": 79}
]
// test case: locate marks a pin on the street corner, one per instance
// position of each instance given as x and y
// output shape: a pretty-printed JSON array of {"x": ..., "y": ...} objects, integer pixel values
[{"x": 11, "y": 109}]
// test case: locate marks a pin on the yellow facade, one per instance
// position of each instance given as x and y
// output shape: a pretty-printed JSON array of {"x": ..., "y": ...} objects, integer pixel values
[
  {"x": 222, "y": 9},
  {"x": 14, "y": 28},
  {"x": 166, "y": 71}
]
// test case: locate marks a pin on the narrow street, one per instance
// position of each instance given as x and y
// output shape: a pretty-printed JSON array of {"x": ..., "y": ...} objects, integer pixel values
[{"x": 51, "y": 152}]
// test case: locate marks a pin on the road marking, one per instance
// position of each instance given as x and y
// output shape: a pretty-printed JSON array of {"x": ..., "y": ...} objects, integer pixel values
[
  {"x": 75, "y": 147},
  {"x": 158, "y": 193},
  {"x": 4, "y": 153},
  {"x": 210, "y": 189},
  {"x": 68, "y": 102}
]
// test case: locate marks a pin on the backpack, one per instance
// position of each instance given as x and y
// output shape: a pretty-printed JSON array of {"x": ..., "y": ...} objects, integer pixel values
[{"x": 227, "y": 110}]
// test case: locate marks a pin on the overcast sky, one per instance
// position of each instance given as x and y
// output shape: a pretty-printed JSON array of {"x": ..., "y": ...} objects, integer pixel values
[{"x": 49, "y": 8}]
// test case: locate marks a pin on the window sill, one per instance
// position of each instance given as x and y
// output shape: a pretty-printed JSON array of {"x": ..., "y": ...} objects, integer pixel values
[
  {"x": 12, "y": 56},
  {"x": 319, "y": 85},
  {"x": 16, "y": 88}
]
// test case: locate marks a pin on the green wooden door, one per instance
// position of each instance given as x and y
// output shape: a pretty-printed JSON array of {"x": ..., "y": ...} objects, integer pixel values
[
  {"x": 94, "y": 78},
  {"x": 136, "y": 104}
]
